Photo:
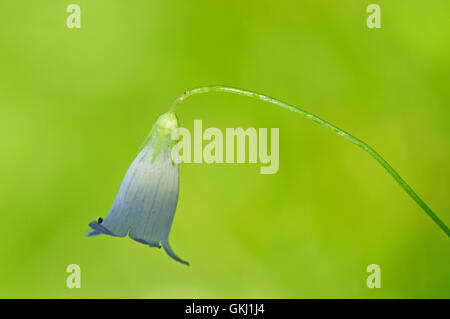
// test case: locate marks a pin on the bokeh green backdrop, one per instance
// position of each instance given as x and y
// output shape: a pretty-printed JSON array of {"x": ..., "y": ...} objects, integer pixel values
[{"x": 75, "y": 106}]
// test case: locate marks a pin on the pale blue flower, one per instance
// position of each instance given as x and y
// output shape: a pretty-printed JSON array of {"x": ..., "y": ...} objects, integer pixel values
[{"x": 145, "y": 204}]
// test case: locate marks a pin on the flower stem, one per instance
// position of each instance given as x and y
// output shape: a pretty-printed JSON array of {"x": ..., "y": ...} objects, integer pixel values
[{"x": 329, "y": 126}]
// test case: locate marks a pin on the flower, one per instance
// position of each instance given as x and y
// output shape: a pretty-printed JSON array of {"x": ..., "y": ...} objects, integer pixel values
[{"x": 145, "y": 204}]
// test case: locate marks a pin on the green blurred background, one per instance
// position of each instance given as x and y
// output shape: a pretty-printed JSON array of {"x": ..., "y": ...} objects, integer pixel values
[{"x": 75, "y": 106}]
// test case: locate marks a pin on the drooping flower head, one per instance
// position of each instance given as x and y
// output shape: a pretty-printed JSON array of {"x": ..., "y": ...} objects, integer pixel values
[
  {"x": 147, "y": 198},
  {"x": 145, "y": 204}
]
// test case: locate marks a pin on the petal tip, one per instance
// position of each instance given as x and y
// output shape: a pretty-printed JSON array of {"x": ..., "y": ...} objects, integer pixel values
[
  {"x": 171, "y": 253},
  {"x": 93, "y": 233},
  {"x": 99, "y": 229}
]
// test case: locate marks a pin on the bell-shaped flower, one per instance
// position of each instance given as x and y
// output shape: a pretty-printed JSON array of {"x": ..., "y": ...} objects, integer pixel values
[{"x": 145, "y": 204}]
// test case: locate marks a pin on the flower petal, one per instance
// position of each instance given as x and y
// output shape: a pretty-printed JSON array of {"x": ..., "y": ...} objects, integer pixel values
[
  {"x": 171, "y": 253},
  {"x": 145, "y": 204},
  {"x": 99, "y": 229}
]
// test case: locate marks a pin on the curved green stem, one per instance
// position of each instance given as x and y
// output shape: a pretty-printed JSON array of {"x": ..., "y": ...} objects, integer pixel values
[{"x": 329, "y": 126}]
